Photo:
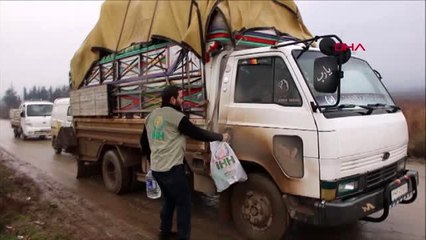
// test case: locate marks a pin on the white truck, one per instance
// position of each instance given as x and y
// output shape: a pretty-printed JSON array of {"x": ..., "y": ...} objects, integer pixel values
[
  {"x": 316, "y": 130},
  {"x": 32, "y": 120},
  {"x": 61, "y": 118}
]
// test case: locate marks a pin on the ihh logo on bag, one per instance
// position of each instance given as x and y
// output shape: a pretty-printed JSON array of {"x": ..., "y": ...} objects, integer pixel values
[
  {"x": 223, "y": 158},
  {"x": 226, "y": 162}
]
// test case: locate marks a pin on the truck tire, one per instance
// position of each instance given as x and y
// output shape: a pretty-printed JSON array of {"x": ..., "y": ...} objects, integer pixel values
[
  {"x": 15, "y": 133},
  {"x": 58, "y": 150},
  {"x": 55, "y": 146},
  {"x": 258, "y": 210},
  {"x": 116, "y": 177}
]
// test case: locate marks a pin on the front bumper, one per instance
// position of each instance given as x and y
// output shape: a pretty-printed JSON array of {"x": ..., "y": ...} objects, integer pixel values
[
  {"x": 37, "y": 132},
  {"x": 320, "y": 212}
]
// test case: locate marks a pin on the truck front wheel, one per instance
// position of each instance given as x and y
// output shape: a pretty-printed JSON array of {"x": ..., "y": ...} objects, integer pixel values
[
  {"x": 116, "y": 177},
  {"x": 258, "y": 210},
  {"x": 22, "y": 135},
  {"x": 15, "y": 133},
  {"x": 55, "y": 146}
]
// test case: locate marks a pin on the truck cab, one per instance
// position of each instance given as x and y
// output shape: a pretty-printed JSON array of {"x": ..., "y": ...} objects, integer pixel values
[
  {"x": 326, "y": 158},
  {"x": 34, "y": 119},
  {"x": 61, "y": 118}
]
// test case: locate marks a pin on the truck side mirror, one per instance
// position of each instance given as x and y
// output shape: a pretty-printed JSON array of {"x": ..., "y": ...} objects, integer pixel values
[
  {"x": 329, "y": 47},
  {"x": 22, "y": 114},
  {"x": 326, "y": 74}
]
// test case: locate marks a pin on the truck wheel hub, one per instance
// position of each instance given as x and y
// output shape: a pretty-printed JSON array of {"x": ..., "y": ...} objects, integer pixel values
[{"x": 257, "y": 210}]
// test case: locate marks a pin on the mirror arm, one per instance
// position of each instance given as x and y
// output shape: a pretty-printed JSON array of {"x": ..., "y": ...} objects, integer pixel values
[
  {"x": 378, "y": 75},
  {"x": 310, "y": 40},
  {"x": 340, "y": 72},
  {"x": 338, "y": 94},
  {"x": 306, "y": 48},
  {"x": 314, "y": 107}
]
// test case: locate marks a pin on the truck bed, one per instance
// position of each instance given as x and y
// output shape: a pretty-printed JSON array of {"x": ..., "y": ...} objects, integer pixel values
[
  {"x": 15, "y": 118},
  {"x": 122, "y": 131}
]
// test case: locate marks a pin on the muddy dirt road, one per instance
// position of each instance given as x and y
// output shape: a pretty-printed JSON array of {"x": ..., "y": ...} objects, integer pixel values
[{"x": 134, "y": 212}]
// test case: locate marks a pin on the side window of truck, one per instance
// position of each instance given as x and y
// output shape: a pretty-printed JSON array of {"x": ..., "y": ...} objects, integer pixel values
[
  {"x": 265, "y": 80},
  {"x": 254, "y": 80},
  {"x": 285, "y": 90}
]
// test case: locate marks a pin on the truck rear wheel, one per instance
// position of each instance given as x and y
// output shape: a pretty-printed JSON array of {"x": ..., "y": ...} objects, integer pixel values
[
  {"x": 258, "y": 210},
  {"x": 116, "y": 177}
]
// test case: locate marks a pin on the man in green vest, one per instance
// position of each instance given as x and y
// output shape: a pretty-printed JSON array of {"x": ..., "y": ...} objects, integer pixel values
[{"x": 163, "y": 139}]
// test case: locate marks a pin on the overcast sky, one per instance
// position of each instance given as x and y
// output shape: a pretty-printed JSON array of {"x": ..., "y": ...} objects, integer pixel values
[{"x": 38, "y": 38}]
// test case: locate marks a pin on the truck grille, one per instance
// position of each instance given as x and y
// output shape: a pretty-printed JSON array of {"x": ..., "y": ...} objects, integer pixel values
[
  {"x": 353, "y": 165},
  {"x": 381, "y": 175}
]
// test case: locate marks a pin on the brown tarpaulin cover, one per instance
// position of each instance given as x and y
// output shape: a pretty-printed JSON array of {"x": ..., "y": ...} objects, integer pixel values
[{"x": 123, "y": 23}]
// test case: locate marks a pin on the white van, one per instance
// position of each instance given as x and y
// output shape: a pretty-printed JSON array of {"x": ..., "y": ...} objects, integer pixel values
[
  {"x": 61, "y": 117},
  {"x": 33, "y": 120}
]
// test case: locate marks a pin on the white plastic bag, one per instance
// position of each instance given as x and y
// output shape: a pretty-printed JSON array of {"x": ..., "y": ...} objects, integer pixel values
[
  {"x": 225, "y": 167},
  {"x": 153, "y": 190}
]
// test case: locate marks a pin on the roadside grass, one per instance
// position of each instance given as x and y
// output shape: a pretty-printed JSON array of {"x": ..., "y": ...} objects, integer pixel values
[
  {"x": 22, "y": 214},
  {"x": 415, "y": 113}
]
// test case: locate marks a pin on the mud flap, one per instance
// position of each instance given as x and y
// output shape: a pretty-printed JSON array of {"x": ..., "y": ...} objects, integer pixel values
[
  {"x": 225, "y": 205},
  {"x": 87, "y": 169}
]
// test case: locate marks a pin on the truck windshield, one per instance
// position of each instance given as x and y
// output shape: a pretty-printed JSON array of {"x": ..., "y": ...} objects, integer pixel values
[
  {"x": 360, "y": 86},
  {"x": 36, "y": 110}
]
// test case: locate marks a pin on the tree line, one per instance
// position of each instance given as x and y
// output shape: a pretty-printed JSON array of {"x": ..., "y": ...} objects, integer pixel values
[
  {"x": 12, "y": 99},
  {"x": 47, "y": 94}
]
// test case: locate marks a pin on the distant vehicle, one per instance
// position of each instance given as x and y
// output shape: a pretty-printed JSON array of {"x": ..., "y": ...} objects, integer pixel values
[
  {"x": 31, "y": 119},
  {"x": 61, "y": 117}
]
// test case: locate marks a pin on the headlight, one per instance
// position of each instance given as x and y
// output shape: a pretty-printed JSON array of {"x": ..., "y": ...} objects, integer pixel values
[
  {"x": 401, "y": 165},
  {"x": 332, "y": 190},
  {"x": 347, "y": 187}
]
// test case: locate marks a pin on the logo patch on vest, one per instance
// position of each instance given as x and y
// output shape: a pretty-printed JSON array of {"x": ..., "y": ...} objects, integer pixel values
[{"x": 158, "y": 131}]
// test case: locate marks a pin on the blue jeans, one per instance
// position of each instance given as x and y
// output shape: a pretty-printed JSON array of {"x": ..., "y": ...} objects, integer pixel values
[{"x": 176, "y": 193}]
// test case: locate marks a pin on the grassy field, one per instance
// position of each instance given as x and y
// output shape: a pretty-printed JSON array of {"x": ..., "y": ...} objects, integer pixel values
[
  {"x": 414, "y": 111},
  {"x": 23, "y": 215}
]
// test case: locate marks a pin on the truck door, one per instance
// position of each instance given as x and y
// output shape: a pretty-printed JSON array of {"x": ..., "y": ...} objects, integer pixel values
[{"x": 270, "y": 121}]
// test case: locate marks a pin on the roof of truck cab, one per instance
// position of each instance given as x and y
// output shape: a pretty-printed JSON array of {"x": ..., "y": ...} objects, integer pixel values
[
  {"x": 269, "y": 49},
  {"x": 36, "y": 102},
  {"x": 62, "y": 101}
]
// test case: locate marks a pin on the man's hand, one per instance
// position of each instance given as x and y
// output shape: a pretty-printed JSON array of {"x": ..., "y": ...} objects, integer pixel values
[{"x": 226, "y": 137}]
